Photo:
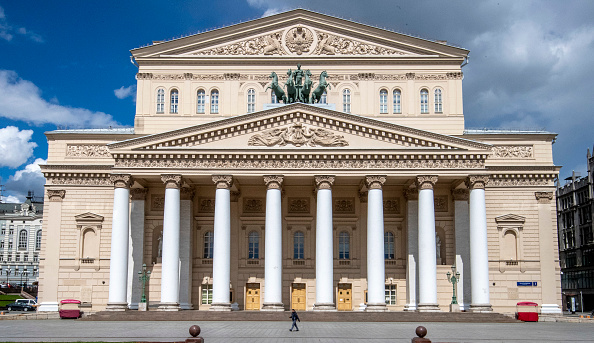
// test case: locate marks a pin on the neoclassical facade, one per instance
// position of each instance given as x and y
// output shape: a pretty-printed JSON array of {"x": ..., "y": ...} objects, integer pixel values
[{"x": 236, "y": 197}]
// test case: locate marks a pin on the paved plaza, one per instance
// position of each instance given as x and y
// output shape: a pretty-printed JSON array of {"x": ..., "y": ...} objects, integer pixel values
[{"x": 322, "y": 332}]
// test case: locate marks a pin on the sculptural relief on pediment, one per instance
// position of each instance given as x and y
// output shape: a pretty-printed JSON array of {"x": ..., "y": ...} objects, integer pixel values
[
  {"x": 297, "y": 135},
  {"x": 299, "y": 40}
]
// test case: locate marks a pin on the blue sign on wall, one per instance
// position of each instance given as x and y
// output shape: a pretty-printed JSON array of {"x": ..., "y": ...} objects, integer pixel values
[{"x": 527, "y": 283}]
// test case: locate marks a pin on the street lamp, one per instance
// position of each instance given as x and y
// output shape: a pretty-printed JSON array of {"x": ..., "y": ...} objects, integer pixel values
[
  {"x": 453, "y": 278},
  {"x": 7, "y": 273},
  {"x": 144, "y": 276}
]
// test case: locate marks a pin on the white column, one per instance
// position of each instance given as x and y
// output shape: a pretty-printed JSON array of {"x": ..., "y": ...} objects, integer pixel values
[
  {"x": 185, "y": 249},
  {"x": 118, "y": 263},
  {"x": 376, "y": 274},
  {"x": 221, "y": 262},
  {"x": 427, "y": 255},
  {"x": 324, "y": 246},
  {"x": 136, "y": 246},
  {"x": 273, "y": 269},
  {"x": 412, "y": 221},
  {"x": 462, "y": 232},
  {"x": 479, "y": 254},
  {"x": 549, "y": 277},
  {"x": 171, "y": 226}
]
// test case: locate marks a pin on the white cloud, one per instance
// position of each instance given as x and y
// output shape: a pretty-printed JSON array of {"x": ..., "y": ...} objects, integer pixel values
[
  {"x": 21, "y": 100},
  {"x": 124, "y": 92},
  {"x": 7, "y": 32},
  {"x": 25, "y": 180},
  {"x": 11, "y": 199},
  {"x": 15, "y": 146}
]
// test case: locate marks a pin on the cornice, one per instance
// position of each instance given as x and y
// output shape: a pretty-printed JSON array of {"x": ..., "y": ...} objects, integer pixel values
[
  {"x": 88, "y": 167},
  {"x": 78, "y": 179},
  {"x": 522, "y": 179}
]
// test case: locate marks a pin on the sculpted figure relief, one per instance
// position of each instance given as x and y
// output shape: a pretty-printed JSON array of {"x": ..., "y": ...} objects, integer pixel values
[{"x": 298, "y": 136}]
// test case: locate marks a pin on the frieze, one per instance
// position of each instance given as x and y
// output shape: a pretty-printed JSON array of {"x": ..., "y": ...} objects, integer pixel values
[
  {"x": 157, "y": 202},
  {"x": 253, "y": 205},
  {"x": 391, "y": 206},
  {"x": 520, "y": 180},
  {"x": 297, "y": 135},
  {"x": 440, "y": 203},
  {"x": 87, "y": 150},
  {"x": 269, "y": 44},
  {"x": 206, "y": 205},
  {"x": 82, "y": 179},
  {"x": 512, "y": 151},
  {"x": 344, "y": 205},
  {"x": 298, "y": 205},
  {"x": 329, "y": 44}
]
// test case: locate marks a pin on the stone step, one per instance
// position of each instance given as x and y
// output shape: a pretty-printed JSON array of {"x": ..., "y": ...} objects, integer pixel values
[{"x": 461, "y": 317}]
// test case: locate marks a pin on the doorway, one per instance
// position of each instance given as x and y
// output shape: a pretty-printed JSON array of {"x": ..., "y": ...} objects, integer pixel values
[
  {"x": 252, "y": 297},
  {"x": 344, "y": 302},
  {"x": 298, "y": 297}
]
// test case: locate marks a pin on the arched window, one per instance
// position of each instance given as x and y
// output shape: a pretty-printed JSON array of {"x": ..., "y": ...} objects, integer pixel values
[
  {"x": 437, "y": 101},
  {"x": 208, "y": 244},
  {"x": 346, "y": 100},
  {"x": 324, "y": 98},
  {"x": 273, "y": 98},
  {"x": 424, "y": 101},
  {"x": 298, "y": 245},
  {"x": 251, "y": 100},
  {"x": 174, "y": 101},
  {"x": 214, "y": 101},
  {"x": 160, "y": 100},
  {"x": 397, "y": 101},
  {"x": 510, "y": 252},
  {"x": 389, "y": 246},
  {"x": 253, "y": 245},
  {"x": 23, "y": 239},
  {"x": 344, "y": 246},
  {"x": 383, "y": 101},
  {"x": 200, "y": 101},
  {"x": 38, "y": 240}
]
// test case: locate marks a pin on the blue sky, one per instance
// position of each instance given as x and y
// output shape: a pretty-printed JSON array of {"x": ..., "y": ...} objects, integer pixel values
[{"x": 66, "y": 64}]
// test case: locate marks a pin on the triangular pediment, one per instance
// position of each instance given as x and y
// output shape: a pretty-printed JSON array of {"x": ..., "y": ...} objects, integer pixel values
[
  {"x": 298, "y": 33},
  {"x": 88, "y": 217},
  {"x": 297, "y": 128},
  {"x": 510, "y": 219}
]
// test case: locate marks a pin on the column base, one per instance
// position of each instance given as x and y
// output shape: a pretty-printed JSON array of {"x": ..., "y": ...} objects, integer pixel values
[
  {"x": 324, "y": 307},
  {"x": 550, "y": 309},
  {"x": 480, "y": 308},
  {"x": 168, "y": 307},
  {"x": 376, "y": 307},
  {"x": 220, "y": 307},
  {"x": 410, "y": 307},
  {"x": 48, "y": 306},
  {"x": 429, "y": 308},
  {"x": 117, "y": 307},
  {"x": 186, "y": 306},
  {"x": 273, "y": 307}
]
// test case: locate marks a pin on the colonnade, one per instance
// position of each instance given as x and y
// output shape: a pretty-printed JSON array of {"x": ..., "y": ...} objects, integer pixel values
[{"x": 421, "y": 257}]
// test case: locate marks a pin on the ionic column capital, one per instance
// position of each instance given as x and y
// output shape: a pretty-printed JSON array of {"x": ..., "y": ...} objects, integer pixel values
[
  {"x": 324, "y": 181},
  {"x": 56, "y": 194},
  {"x": 477, "y": 181},
  {"x": 544, "y": 197},
  {"x": 187, "y": 193},
  {"x": 138, "y": 193},
  {"x": 171, "y": 180},
  {"x": 411, "y": 194},
  {"x": 121, "y": 180},
  {"x": 426, "y": 181},
  {"x": 375, "y": 181},
  {"x": 223, "y": 181},
  {"x": 273, "y": 181},
  {"x": 460, "y": 194}
]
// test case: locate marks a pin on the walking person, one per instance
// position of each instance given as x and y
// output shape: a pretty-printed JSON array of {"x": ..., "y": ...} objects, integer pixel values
[{"x": 294, "y": 317}]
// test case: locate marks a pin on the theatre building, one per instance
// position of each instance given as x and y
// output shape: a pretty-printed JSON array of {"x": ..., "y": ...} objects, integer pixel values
[{"x": 300, "y": 161}]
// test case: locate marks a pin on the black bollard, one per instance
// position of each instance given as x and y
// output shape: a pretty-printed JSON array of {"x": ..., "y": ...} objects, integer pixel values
[
  {"x": 421, "y": 331},
  {"x": 195, "y": 331}
]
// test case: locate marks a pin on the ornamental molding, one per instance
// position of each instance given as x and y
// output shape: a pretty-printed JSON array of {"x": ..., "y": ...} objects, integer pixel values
[
  {"x": 426, "y": 181},
  {"x": 56, "y": 194},
  {"x": 338, "y": 121},
  {"x": 460, "y": 194},
  {"x": 299, "y": 39},
  {"x": 269, "y": 44},
  {"x": 78, "y": 179},
  {"x": 298, "y": 135},
  {"x": 324, "y": 181},
  {"x": 138, "y": 193},
  {"x": 477, "y": 181},
  {"x": 172, "y": 180},
  {"x": 375, "y": 181},
  {"x": 512, "y": 151},
  {"x": 391, "y": 206},
  {"x": 517, "y": 180},
  {"x": 297, "y": 162},
  {"x": 440, "y": 203},
  {"x": 223, "y": 181},
  {"x": 121, "y": 180},
  {"x": 273, "y": 181},
  {"x": 88, "y": 150},
  {"x": 253, "y": 205},
  {"x": 344, "y": 205},
  {"x": 298, "y": 205},
  {"x": 544, "y": 197}
]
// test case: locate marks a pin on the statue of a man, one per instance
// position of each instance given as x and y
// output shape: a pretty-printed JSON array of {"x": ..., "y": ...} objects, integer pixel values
[{"x": 298, "y": 75}]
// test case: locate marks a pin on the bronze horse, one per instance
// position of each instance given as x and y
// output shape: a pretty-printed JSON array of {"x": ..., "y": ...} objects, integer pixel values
[
  {"x": 306, "y": 87},
  {"x": 278, "y": 91},
  {"x": 291, "y": 90},
  {"x": 319, "y": 91}
]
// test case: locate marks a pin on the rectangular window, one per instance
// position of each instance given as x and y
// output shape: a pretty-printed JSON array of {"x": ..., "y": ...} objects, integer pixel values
[
  {"x": 206, "y": 294},
  {"x": 26, "y": 258},
  {"x": 390, "y": 294},
  {"x": 9, "y": 258},
  {"x": 35, "y": 257},
  {"x": 17, "y": 258}
]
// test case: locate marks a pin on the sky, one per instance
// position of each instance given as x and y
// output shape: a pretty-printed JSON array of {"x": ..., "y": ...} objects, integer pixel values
[{"x": 66, "y": 64}]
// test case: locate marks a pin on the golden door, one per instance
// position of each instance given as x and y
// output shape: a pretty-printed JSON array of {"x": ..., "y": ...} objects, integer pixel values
[
  {"x": 344, "y": 302},
  {"x": 298, "y": 297},
  {"x": 252, "y": 297}
]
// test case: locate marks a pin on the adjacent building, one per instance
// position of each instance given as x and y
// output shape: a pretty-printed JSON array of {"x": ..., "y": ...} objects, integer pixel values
[
  {"x": 575, "y": 207},
  {"x": 300, "y": 161},
  {"x": 20, "y": 241}
]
